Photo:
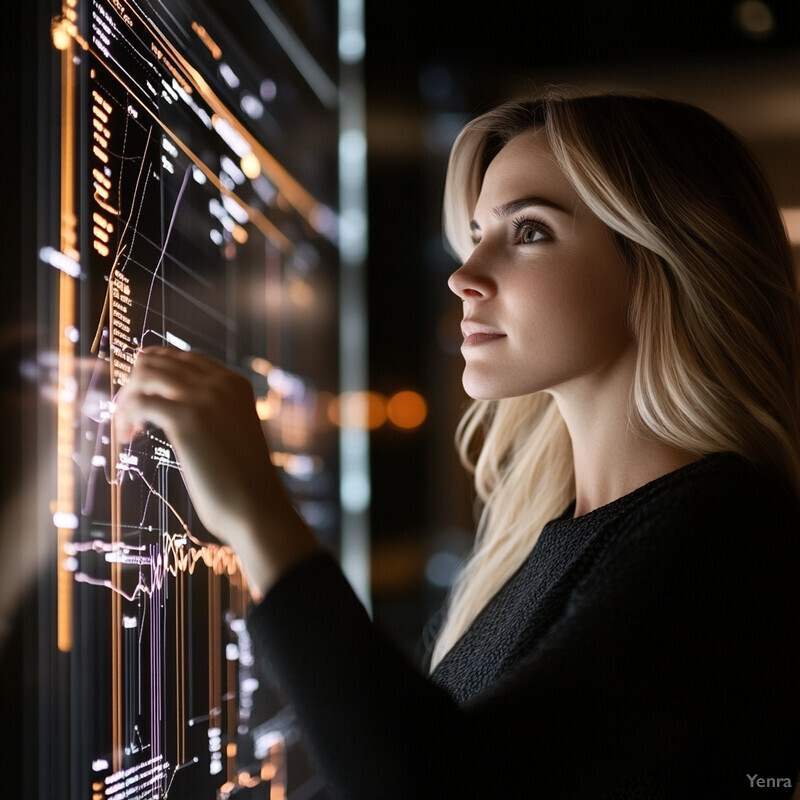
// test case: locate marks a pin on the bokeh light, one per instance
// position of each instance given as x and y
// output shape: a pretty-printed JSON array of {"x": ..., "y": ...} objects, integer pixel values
[
  {"x": 358, "y": 410},
  {"x": 407, "y": 410}
]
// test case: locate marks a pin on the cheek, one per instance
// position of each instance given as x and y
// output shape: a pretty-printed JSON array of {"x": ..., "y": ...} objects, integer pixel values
[
  {"x": 605, "y": 305},
  {"x": 583, "y": 306},
  {"x": 551, "y": 302}
]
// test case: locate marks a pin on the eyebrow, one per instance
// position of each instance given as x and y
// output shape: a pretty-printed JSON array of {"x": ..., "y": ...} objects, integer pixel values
[{"x": 512, "y": 206}]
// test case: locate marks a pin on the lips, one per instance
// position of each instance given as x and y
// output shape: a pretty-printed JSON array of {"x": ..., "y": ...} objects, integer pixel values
[{"x": 476, "y": 333}]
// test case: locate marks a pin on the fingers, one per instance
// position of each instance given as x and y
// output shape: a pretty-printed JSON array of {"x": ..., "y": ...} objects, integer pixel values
[
  {"x": 176, "y": 355},
  {"x": 135, "y": 411},
  {"x": 168, "y": 366},
  {"x": 208, "y": 414},
  {"x": 169, "y": 387}
]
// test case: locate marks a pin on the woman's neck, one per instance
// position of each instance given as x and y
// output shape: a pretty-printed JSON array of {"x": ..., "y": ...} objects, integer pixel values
[{"x": 610, "y": 459}]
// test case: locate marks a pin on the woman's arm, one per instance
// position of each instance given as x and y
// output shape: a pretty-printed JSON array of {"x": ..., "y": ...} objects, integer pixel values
[{"x": 675, "y": 663}]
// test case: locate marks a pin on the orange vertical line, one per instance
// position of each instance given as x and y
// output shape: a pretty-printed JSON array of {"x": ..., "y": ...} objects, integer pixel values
[
  {"x": 232, "y": 720},
  {"x": 177, "y": 612},
  {"x": 183, "y": 672},
  {"x": 65, "y": 447},
  {"x": 65, "y": 437},
  {"x": 116, "y": 607},
  {"x": 116, "y": 582},
  {"x": 216, "y": 622},
  {"x": 211, "y": 687},
  {"x": 118, "y": 744}
]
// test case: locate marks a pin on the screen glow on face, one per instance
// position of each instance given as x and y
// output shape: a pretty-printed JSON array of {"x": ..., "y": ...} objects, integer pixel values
[{"x": 544, "y": 291}]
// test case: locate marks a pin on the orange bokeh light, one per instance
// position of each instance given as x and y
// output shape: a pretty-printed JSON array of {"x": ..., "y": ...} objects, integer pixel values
[
  {"x": 407, "y": 409},
  {"x": 358, "y": 410}
]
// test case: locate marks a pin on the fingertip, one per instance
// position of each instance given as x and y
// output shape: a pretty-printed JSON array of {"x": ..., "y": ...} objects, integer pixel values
[
  {"x": 127, "y": 432},
  {"x": 120, "y": 419},
  {"x": 152, "y": 349},
  {"x": 122, "y": 428}
]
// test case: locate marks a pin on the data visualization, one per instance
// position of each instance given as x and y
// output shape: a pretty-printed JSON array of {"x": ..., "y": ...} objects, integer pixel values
[{"x": 197, "y": 189}]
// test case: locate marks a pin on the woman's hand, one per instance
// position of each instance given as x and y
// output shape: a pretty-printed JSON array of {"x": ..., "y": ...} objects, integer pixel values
[{"x": 208, "y": 414}]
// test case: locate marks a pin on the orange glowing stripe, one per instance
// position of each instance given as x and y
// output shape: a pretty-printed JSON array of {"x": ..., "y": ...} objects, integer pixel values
[
  {"x": 65, "y": 436},
  {"x": 239, "y": 234},
  {"x": 65, "y": 445},
  {"x": 232, "y": 719},
  {"x": 116, "y": 607},
  {"x": 116, "y": 584},
  {"x": 101, "y": 103},
  {"x": 100, "y": 178},
  {"x": 100, "y": 220},
  {"x": 180, "y": 670},
  {"x": 213, "y": 650},
  {"x": 184, "y": 669},
  {"x": 105, "y": 206},
  {"x": 116, "y": 684},
  {"x": 101, "y": 129},
  {"x": 211, "y": 720},
  {"x": 214, "y": 704},
  {"x": 206, "y": 39},
  {"x": 277, "y": 761}
]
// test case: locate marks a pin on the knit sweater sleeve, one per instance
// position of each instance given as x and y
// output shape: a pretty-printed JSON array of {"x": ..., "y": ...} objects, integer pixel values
[{"x": 684, "y": 635}]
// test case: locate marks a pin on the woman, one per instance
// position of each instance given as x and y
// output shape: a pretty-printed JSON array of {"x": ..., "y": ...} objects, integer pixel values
[{"x": 631, "y": 333}]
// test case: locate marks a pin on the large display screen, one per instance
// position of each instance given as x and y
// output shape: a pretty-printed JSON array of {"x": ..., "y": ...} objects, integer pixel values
[{"x": 192, "y": 203}]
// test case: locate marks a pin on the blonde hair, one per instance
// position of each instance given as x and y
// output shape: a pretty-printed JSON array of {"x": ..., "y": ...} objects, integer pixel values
[{"x": 714, "y": 311}]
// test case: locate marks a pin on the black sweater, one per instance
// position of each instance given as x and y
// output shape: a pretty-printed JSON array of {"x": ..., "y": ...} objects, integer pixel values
[{"x": 648, "y": 649}]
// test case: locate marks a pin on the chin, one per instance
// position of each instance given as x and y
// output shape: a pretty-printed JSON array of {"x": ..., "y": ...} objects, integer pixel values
[{"x": 478, "y": 390}]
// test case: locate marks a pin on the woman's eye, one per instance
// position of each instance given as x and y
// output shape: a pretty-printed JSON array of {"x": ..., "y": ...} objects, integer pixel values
[
  {"x": 531, "y": 235},
  {"x": 528, "y": 231}
]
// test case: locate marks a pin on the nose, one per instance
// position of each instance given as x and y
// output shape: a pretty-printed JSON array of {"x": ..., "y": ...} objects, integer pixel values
[{"x": 469, "y": 281}]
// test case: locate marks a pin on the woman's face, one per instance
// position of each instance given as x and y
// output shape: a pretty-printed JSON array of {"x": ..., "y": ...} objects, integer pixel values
[{"x": 545, "y": 292}]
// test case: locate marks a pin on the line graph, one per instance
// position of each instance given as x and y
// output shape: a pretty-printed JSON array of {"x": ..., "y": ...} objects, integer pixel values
[
  {"x": 160, "y": 261},
  {"x": 175, "y": 553}
]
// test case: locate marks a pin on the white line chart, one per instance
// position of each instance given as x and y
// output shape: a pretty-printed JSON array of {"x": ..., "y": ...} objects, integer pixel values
[{"x": 175, "y": 553}]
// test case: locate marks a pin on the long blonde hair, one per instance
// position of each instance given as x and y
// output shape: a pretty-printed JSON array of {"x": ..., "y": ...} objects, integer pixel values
[{"x": 714, "y": 311}]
